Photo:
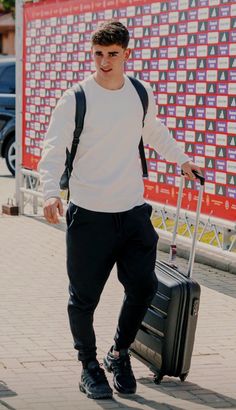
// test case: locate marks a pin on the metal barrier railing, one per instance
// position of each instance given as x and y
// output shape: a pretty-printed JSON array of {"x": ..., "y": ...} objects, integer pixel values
[
  {"x": 216, "y": 232},
  {"x": 221, "y": 233}
]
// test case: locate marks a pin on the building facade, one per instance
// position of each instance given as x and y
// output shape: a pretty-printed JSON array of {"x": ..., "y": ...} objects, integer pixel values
[{"x": 7, "y": 33}]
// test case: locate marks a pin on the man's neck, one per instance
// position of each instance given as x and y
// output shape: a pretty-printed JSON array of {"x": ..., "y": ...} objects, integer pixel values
[{"x": 110, "y": 84}]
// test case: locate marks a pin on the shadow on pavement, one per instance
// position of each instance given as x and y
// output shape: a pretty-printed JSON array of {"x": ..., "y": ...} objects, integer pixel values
[
  {"x": 7, "y": 176},
  {"x": 190, "y": 392},
  {"x": 139, "y": 400},
  {"x": 6, "y": 392},
  {"x": 218, "y": 280},
  {"x": 60, "y": 227}
]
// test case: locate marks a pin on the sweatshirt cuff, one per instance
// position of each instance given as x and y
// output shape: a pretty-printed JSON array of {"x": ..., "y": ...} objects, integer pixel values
[
  {"x": 51, "y": 194},
  {"x": 182, "y": 159}
]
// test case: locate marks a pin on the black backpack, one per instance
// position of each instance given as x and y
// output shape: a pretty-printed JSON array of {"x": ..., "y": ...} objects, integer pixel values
[{"x": 79, "y": 123}]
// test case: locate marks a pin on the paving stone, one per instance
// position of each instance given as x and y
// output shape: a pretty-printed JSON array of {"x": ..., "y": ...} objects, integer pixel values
[{"x": 38, "y": 366}]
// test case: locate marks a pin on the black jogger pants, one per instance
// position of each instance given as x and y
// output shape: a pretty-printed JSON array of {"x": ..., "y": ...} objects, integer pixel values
[{"x": 95, "y": 242}]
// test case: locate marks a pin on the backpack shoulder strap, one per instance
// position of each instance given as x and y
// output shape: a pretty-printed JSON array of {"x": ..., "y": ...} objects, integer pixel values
[
  {"x": 80, "y": 110},
  {"x": 143, "y": 95}
]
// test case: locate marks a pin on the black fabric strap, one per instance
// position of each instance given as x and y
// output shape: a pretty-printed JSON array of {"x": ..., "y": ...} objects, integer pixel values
[
  {"x": 79, "y": 121},
  {"x": 80, "y": 111},
  {"x": 143, "y": 95}
]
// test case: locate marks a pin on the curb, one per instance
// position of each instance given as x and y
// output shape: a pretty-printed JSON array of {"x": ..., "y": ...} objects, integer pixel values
[{"x": 203, "y": 254}]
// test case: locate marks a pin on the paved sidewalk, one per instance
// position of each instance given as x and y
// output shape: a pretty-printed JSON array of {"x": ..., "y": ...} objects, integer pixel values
[{"x": 38, "y": 367}]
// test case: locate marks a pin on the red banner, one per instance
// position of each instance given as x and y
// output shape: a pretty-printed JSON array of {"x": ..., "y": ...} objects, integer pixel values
[{"x": 185, "y": 49}]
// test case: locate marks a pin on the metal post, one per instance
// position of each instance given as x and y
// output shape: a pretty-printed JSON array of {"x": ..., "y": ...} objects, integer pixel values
[
  {"x": 226, "y": 242},
  {"x": 194, "y": 240},
  {"x": 19, "y": 60},
  {"x": 180, "y": 195},
  {"x": 173, "y": 249}
]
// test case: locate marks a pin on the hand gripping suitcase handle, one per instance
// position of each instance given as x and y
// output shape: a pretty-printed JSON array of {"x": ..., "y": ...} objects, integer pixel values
[
  {"x": 194, "y": 240},
  {"x": 198, "y": 176}
]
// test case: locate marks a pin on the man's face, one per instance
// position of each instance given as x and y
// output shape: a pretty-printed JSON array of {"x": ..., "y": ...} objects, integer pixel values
[{"x": 109, "y": 61}]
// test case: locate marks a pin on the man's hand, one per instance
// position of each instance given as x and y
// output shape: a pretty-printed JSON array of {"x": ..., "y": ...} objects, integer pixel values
[
  {"x": 188, "y": 167},
  {"x": 51, "y": 209}
]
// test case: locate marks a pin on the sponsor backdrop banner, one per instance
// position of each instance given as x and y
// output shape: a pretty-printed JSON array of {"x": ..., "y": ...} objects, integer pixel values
[{"x": 186, "y": 49}]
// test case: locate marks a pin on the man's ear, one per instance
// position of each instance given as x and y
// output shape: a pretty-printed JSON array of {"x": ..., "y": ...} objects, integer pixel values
[{"x": 127, "y": 53}]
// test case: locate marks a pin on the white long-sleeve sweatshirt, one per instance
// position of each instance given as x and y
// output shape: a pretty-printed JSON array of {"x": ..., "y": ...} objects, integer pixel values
[{"x": 107, "y": 174}]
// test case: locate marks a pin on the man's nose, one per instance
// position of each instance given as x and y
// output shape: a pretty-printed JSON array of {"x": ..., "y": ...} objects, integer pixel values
[{"x": 104, "y": 61}]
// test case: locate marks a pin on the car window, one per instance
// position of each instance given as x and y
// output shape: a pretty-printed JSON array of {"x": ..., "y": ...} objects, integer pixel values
[{"x": 7, "y": 80}]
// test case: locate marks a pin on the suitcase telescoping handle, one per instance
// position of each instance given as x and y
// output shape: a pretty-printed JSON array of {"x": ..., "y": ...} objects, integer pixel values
[{"x": 194, "y": 239}]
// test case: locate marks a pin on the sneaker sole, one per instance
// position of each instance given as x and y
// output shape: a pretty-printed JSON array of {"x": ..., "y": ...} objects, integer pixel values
[
  {"x": 119, "y": 389},
  {"x": 94, "y": 395}
]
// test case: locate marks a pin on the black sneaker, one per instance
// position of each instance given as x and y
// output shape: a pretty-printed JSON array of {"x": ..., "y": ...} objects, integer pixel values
[
  {"x": 94, "y": 382},
  {"x": 123, "y": 377}
]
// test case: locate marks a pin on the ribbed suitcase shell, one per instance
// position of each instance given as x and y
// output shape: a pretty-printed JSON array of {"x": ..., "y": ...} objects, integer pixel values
[{"x": 165, "y": 339}]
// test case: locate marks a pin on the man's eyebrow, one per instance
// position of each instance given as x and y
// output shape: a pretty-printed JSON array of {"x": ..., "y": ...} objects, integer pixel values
[{"x": 98, "y": 52}]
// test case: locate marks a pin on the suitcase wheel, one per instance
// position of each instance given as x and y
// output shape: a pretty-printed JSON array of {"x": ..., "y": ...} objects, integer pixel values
[
  {"x": 158, "y": 378},
  {"x": 183, "y": 376}
]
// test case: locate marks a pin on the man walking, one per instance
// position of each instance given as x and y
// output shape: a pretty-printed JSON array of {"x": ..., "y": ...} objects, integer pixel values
[{"x": 106, "y": 204}]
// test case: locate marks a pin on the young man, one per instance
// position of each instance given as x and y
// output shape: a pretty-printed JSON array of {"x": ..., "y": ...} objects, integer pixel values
[{"x": 108, "y": 221}]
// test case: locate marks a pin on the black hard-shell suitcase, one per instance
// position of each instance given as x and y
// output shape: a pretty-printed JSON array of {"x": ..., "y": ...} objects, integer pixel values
[{"x": 165, "y": 339}]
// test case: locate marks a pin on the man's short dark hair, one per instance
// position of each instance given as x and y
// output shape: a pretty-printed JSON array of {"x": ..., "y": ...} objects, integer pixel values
[{"x": 109, "y": 33}]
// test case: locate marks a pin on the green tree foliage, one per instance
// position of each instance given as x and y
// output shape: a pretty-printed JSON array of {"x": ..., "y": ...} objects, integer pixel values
[{"x": 8, "y": 5}]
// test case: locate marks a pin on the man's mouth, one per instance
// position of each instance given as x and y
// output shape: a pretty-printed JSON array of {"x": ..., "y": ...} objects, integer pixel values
[{"x": 105, "y": 70}]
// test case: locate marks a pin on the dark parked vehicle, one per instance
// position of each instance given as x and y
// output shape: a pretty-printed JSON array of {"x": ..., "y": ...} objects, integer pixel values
[{"x": 7, "y": 112}]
